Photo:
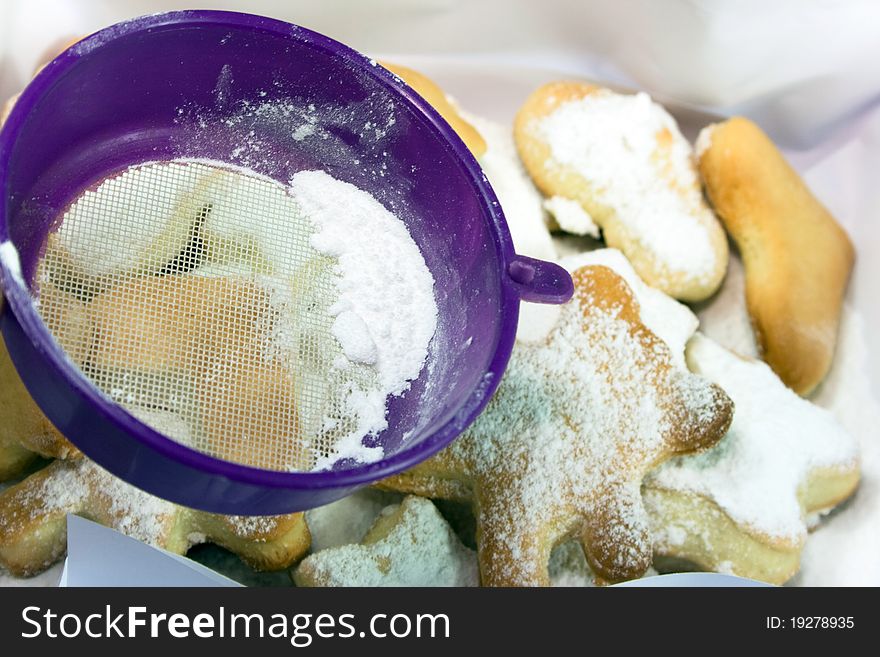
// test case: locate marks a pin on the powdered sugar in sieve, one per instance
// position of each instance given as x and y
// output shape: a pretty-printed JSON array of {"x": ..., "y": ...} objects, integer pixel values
[{"x": 264, "y": 324}]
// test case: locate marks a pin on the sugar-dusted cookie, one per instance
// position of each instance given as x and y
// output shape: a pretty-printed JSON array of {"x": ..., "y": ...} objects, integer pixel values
[
  {"x": 673, "y": 322},
  {"x": 437, "y": 98},
  {"x": 740, "y": 507},
  {"x": 797, "y": 257},
  {"x": 410, "y": 544},
  {"x": 624, "y": 160},
  {"x": 563, "y": 445},
  {"x": 347, "y": 521},
  {"x": 33, "y": 526},
  {"x": 25, "y": 432}
]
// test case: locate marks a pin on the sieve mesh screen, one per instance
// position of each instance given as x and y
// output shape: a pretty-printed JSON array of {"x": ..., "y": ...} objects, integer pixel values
[{"x": 190, "y": 294}]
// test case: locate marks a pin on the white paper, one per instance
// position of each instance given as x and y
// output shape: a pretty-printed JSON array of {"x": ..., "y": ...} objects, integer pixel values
[
  {"x": 692, "y": 580},
  {"x": 98, "y": 556}
]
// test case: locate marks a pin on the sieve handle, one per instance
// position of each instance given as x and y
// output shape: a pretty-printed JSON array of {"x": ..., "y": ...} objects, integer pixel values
[{"x": 539, "y": 281}]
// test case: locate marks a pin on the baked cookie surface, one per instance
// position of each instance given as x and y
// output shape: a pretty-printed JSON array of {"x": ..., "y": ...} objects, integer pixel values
[
  {"x": 797, "y": 258},
  {"x": 623, "y": 159},
  {"x": 563, "y": 445}
]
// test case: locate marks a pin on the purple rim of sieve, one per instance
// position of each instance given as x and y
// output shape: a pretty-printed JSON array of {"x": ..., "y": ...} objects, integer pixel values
[{"x": 31, "y": 344}]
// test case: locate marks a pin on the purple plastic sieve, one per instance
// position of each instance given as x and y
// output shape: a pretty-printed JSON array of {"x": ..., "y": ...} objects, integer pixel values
[{"x": 134, "y": 93}]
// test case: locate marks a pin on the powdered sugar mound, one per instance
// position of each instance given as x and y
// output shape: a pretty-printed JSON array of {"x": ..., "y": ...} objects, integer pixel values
[
  {"x": 775, "y": 441},
  {"x": 613, "y": 141},
  {"x": 410, "y": 545},
  {"x": 354, "y": 337},
  {"x": 383, "y": 281},
  {"x": 571, "y": 217}
]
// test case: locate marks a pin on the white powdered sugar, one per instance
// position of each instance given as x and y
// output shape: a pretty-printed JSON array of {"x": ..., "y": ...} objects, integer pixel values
[
  {"x": 571, "y": 217},
  {"x": 614, "y": 142},
  {"x": 347, "y": 520},
  {"x": 385, "y": 313},
  {"x": 130, "y": 510},
  {"x": 418, "y": 549},
  {"x": 704, "y": 141},
  {"x": 386, "y": 292},
  {"x": 776, "y": 440},
  {"x": 725, "y": 317},
  {"x": 843, "y": 550}
]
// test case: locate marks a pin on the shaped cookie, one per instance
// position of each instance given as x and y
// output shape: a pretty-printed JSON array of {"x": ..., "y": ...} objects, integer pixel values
[
  {"x": 437, "y": 98},
  {"x": 25, "y": 432},
  {"x": 741, "y": 506},
  {"x": 33, "y": 520},
  {"x": 410, "y": 544},
  {"x": 200, "y": 341},
  {"x": 797, "y": 257},
  {"x": 563, "y": 445},
  {"x": 623, "y": 159}
]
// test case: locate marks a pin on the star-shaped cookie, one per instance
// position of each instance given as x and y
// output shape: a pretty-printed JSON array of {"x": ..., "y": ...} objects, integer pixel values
[
  {"x": 563, "y": 446},
  {"x": 410, "y": 544},
  {"x": 742, "y": 506},
  {"x": 33, "y": 526}
]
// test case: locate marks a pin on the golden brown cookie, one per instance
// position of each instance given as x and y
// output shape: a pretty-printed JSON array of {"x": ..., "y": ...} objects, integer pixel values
[
  {"x": 623, "y": 159},
  {"x": 436, "y": 97},
  {"x": 24, "y": 431},
  {"x": 563, "y": 445},
  {"x": 797, "y": 257},
  {"x": 203, "y": 338},
  {"x": 33, "y": 521},
  {"x": 742, "y": 506}
]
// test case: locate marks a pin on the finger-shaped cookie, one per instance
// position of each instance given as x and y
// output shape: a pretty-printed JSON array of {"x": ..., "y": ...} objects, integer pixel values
[
  {"x": 741, "y": 506},
  {"x": 33, "y": 527},
  {"x": 577, "y": 421},
  {"x": 624, "y": 160},
  {"x": 797, "y": 257}
]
